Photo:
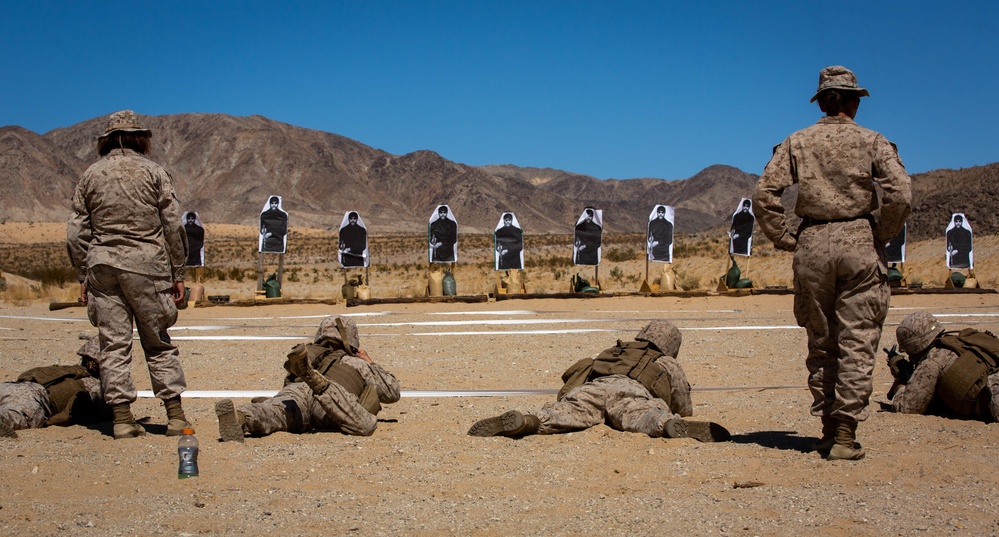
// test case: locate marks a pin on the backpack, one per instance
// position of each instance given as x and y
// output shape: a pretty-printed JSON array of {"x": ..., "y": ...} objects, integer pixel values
[{"x": 962, "y": 386}]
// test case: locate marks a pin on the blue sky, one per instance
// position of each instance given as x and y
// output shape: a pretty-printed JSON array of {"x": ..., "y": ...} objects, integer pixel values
[{"x": 613, "y": 90}]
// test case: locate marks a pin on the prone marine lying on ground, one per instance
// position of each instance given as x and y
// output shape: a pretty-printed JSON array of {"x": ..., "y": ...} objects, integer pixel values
[
  {"x": 949, "y": 373},
  {"x": 332, "y": 384},
  {"x": 55, "y": 395},
  {"x": 636, "y": 386}
]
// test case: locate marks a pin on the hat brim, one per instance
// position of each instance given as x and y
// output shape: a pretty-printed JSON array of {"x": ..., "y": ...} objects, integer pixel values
[
  {"x": 109, "y": 133},
  {"x": 863, "y": 92}
]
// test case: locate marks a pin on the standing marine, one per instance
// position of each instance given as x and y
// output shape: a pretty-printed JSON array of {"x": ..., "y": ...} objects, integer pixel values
[
  {"x": 840, "y": 276},
  {"x": 129, "y": 247},
  {"x": 636, "y": 386}
]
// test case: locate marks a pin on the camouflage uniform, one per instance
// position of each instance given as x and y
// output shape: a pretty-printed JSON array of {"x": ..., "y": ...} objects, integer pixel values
[
  {"x": 601, "y": 393},
  {"x": 127, "y": 242},
  {"x": 621, "y": 402},
  {"x": 916, "y": 396},
  {"x": 840, "y": 275},
  {"x": 298, "y": 408},
  {"x": 27, "y": 405}
]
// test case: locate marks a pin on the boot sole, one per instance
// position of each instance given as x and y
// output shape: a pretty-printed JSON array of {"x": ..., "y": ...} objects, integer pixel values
[
  {"x": 229, "y": 428},
  {"x": 702, "y": 431},
  {"x": 504, "y": 423}
]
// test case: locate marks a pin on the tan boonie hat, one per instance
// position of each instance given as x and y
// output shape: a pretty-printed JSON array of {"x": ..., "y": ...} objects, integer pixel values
[
  {"x": 838, "y": 77},
  {"x": 124, "y": 121}
]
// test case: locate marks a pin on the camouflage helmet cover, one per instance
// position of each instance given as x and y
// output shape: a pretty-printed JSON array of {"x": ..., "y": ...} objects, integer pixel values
[
  {"x": 328, "y": 331},
  {"x": 838, "y": 77},
  {"x": 916, "y": 332},
  {"x": 90, "y": 354},
  {"x": 124, "y": 121},
  {"x": 664, "y": 335}
]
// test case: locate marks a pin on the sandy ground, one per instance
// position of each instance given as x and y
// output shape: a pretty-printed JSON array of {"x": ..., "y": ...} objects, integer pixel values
[{"x": 420, "y": 474}]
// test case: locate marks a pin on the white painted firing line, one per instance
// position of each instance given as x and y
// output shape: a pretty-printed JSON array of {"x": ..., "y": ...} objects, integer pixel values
[
  {"x": 62, "y": 319},
  {"x": 757, "y": 327},
  {"x": 239, "y": 338},
  {"x": 487, "y": 322},
  {"x": 223, "y": 394}
]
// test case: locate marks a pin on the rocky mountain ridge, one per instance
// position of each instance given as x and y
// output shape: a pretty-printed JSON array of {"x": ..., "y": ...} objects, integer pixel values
[{"x": 225, "y": 167}]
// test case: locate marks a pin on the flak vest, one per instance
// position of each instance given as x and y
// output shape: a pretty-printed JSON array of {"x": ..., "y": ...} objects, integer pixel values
[
  {"x": 329, "y": 363},
  {"x": 962, "y": 388},
  {"x": 635, "y": 359},
  {"x": 68, "y": 396}
]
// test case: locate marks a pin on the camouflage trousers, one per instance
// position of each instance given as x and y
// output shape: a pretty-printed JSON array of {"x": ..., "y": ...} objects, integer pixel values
[
  {"x": 24, "y": 405},
  {"x": 296, "y": 409},
  {"x": 618, "y": 401},
  {"x": 993, "y": 387},
  {"x": 117, "y": 298},
  {"x": 841, "y": 299}
]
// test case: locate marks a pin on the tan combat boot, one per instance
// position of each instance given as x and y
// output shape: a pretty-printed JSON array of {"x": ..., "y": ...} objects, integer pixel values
[
  {"x": 845, "y": 448},
  {"x": 231, "y": 421},
  {"x": 176, "y": 420},
  {"x": 298, "y": 364},
  {"x": 512, "y": 424},
  {"x": 702, "y": 431},
  {"x": 124, "y": 422},
  {"x": 824, "y": 444}
]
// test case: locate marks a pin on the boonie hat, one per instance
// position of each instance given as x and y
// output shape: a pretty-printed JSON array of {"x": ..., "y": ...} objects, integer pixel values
[
  {"x": 124, "y": 121},
  {"x": 838, "y": 77}
]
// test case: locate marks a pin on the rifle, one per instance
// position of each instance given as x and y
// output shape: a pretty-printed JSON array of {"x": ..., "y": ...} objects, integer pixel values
[{"x": 63, "y": 305}]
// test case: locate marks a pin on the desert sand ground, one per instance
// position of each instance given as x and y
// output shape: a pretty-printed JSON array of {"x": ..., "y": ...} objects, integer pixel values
[{"x": 420, "y": 474}]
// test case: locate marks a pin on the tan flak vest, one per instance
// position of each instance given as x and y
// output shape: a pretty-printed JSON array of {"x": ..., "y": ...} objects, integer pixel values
[
  {"x": 636, "y": 359},
  {"x": 68, "y": 396},
  {"x": 329, "y": 363},
  {"x": 962, "y": 386}
]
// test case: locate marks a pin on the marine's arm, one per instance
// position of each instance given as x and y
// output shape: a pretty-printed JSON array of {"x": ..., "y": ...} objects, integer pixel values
[
  {"x": 777, "y": 176},
  {"x": 896, "y": 202},
  {"x": 916, "y": 395},
  {"x": 79, "y": 234},
  {"x": 384, "y": 383}
]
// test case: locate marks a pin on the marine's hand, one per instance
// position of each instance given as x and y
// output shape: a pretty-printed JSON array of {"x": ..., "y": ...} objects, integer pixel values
[
  {"x": 83, "y": 291},
  {"x": 178, "y": 292},
  {"x": 362, "y": 354}
]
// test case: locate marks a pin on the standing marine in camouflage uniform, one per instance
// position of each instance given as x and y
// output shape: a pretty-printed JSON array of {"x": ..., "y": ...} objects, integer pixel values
[
  {"x": 840, "y": 276},
  {"x": 128, "y": 244},
  {"x": 332, "y": 385},
  {"x": 636, "y": 386},
  {"x": 54, "y": 395},
  {"x": 951, "y": 373}
]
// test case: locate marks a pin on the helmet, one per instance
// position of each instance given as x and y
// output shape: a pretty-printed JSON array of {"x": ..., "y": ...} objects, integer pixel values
[
  {"x": 664, "y": 335},
  {"x": 90, "y": 355},
  {"x": 329, "y": 332},
  {"x": 916, "y": 332}
]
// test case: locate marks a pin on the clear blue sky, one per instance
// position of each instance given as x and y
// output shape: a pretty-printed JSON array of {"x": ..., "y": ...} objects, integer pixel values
[{"x": 623, "y": 89}]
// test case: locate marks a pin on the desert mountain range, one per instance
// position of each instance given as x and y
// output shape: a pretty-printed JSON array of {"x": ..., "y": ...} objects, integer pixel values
[{"x": 225, "y": 167}]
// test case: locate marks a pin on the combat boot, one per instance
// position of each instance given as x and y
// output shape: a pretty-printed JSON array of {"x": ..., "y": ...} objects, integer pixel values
[
  {"x": 824, "y": 444},
  {"x": 702, "y": 431},
  {"x": 124, "y": 423},
  {"x": 845, "y": 448},
  {"x": 176, "y": 420},
  {"x": 232, "y": 423},
  {"x": 6, "y": 431},
  {"x": 512, "y": 424},
  {"x": 298, "y": 364}
]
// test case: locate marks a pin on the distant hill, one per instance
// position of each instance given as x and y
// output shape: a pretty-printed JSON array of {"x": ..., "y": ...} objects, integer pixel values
[{"x": 225, "y": 167}]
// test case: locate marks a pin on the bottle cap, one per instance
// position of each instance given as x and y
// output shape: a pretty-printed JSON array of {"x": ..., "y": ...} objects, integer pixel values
[{"x": 188, "y": 430}]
